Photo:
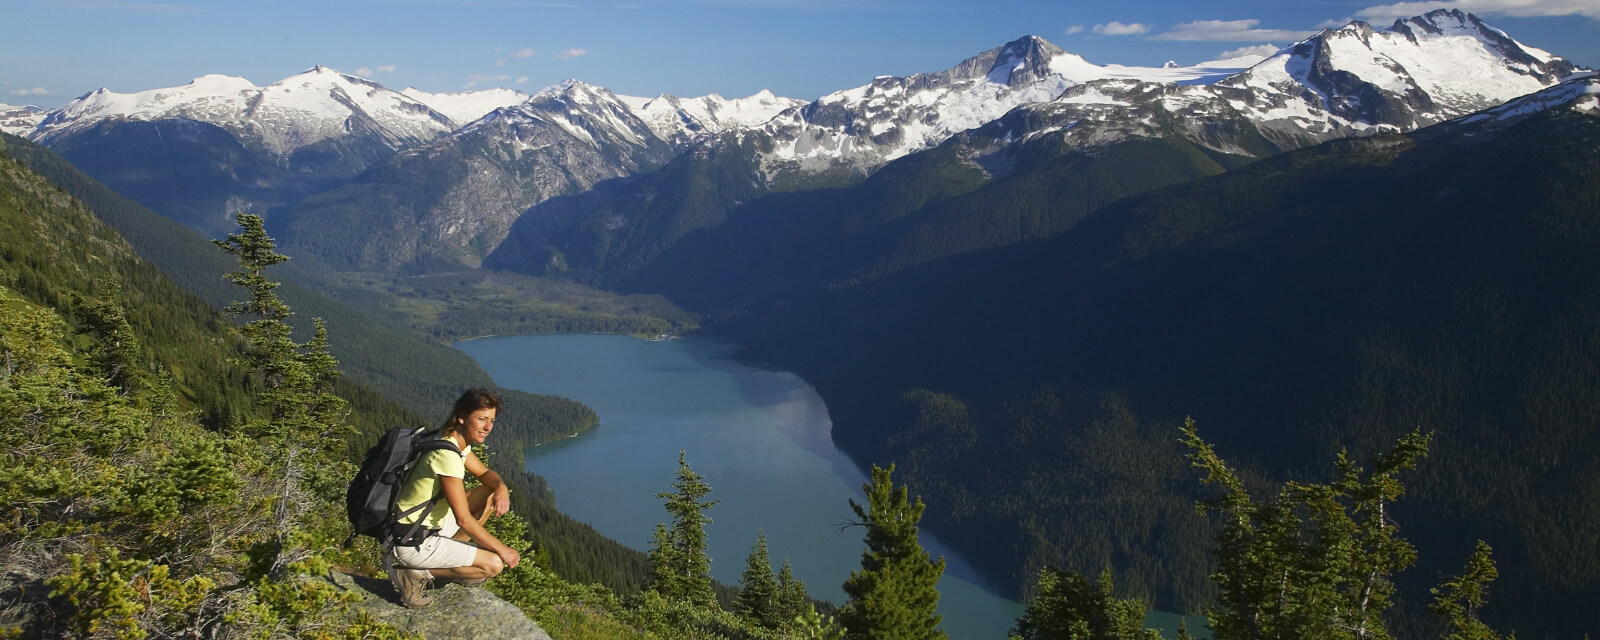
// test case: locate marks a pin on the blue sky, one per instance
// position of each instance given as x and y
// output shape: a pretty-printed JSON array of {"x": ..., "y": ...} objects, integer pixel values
[{"x": 52, "y": 51}]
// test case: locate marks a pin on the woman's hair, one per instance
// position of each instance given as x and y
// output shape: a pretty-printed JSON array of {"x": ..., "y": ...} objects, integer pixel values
[{"x": 471, "y": 400}]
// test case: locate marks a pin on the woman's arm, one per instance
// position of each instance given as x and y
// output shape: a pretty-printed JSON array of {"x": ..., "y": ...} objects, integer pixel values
[
  {"x": 501, "y": 500},
  {"x": 455, "y": 493}
]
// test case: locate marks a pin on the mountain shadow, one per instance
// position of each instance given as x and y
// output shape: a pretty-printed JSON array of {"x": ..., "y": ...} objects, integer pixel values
[{"x": 1332, "y": 297}]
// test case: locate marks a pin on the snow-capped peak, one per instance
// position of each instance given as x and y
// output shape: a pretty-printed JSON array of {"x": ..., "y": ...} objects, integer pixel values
[
  {"x": 20, "y": 121},
  {"x": 467, "y": 106},
  {"x": 891, "y": 117},
  {"x": 1581, "y": 94},
  {"x": 1420, "y": 71},
  {"x": 317, "y": 104},
  {"x": 681, "y": 120}
]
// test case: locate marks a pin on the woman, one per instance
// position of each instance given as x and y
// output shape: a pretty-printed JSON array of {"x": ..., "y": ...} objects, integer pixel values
[{"x": 460, "y": 515}]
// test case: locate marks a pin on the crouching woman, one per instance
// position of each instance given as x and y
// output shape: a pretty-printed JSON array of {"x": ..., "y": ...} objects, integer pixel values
[{"x": 460, "y": 548}]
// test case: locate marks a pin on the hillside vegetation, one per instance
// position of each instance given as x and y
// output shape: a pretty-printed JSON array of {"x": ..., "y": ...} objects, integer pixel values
[
  {"x": 392, "y": 377},
  {"x": 1335, "y": 296}
]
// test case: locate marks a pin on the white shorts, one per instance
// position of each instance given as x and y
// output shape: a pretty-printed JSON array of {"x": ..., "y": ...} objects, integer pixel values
[{"x": 438, "y": 551}]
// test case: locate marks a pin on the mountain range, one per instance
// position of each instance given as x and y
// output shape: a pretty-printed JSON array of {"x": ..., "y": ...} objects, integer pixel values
[
  {"x": 1011, "y": 277},
  {"x": 317, "y": 131}
]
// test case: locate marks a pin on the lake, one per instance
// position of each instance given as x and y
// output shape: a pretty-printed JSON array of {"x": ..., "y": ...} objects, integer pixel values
[{"x": 761, "y": 438}]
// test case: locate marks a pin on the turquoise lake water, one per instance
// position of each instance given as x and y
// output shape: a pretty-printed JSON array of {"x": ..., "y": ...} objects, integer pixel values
[{"x": 761, "y": 438}]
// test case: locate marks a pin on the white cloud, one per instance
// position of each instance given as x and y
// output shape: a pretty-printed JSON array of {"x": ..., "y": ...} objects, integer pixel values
[
  {"x": 1518, "y": 8},
  {"x": 364, "y": 71},
  {"x": 1119, "y": 29},
  {"x": 501, "y": 62},
  {"x": 571, "y": 53},
  {"x": 1075, "y": 29},
  {"x": 36, "y": 91},
  {"x": 522, "y": 79},
  {"x": 385, "y": 68},
  {"x": 369, "y": 71},
  {"x": 1254, "y": 50},
  {"x": 1229, "y": 31},
  {"x": 524, "y": 53}
]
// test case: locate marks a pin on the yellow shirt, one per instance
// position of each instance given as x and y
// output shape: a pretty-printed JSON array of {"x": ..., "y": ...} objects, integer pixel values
[{"x": 424, "y": 484}]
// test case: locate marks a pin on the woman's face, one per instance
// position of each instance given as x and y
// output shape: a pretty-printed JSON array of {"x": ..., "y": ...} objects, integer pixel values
[{"x": 477, "y": 425}]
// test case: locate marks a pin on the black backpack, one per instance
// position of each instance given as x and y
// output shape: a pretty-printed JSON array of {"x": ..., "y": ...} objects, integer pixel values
[{"x": 370, "y": 500}]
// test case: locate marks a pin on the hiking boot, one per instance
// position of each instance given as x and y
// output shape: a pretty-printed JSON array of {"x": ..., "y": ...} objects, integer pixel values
[
  {"x": 413, "y": 586},
  {"x": 465, "y": 582}
]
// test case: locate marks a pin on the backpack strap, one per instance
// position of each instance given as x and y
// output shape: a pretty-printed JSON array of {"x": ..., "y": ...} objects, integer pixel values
[{"x": 421, "y": 443}]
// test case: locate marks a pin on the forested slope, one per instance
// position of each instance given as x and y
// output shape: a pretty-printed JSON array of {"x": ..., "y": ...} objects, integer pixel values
[
  {"x": 1333, "y": 297},
  {"x": 918, "y": 209},
  {"x": 421, "y": 377}
]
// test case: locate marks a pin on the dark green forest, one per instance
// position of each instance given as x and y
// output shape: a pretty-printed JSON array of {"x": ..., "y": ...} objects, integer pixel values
[{"x": 1333, "y": 297}]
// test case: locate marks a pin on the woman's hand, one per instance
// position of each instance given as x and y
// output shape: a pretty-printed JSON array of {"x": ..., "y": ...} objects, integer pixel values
[
  {"x": 501, "y": 500},
  {"x": 508, "y": 556}
]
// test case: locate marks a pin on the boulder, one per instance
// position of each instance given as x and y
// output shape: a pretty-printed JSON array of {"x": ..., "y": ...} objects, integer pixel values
[{"x": 457, "y": 612}]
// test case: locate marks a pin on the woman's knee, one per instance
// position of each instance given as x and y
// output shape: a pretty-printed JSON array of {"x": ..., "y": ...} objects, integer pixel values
[{"x": 490, "y": 563}]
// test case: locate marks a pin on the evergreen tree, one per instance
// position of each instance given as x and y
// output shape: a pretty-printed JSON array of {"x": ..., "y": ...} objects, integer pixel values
[
  {"x": 1315, "y": 561},
  {"x": 895, "y": 595},
  {"x": 792, "y": 601},
  {"x": 758, "y": 589},
  {"x": 116, "y": 351},
  {"x": 1460, "y": 598},
  {"x": 272, "y": 354},
  {"x": 304, "y": 428},
  {"x": 679, "y": 566},
  {"x": 1068, "y": 607}
]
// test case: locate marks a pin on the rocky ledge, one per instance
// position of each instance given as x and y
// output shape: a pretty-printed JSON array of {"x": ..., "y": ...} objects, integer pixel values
[{"x": 457, "y": 612}]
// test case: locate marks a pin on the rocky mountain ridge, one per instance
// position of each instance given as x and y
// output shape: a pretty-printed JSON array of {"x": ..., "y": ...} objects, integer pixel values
[
  {"x": 1024, "y": 106},
  {"x": 458, "y": 187},
  {"x": 1340, "y": 83},
  {"x": 19, "y": 120},
  {"x": 454, "y": 200},
  {"x": 317, "y": 105}
]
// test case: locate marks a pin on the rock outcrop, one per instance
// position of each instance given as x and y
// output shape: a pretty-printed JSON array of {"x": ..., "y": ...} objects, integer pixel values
[{"x": 457, "y": 612}]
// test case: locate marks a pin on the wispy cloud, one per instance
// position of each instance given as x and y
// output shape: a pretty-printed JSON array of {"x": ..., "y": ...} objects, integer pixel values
[
  {"x": 522, "y": 79},
  {"x": 571, "y": 53},
  {"x": 1254, "y": 50},
  {"x": 1229, "y": 31},
  {"x": 368, "y": 71},
  {"x": 1518, "y": 8},
  {"x": 524, "y": 53},
  {"x": 1119, "y": 29},
  {"x": 385, "y": 68},
  {"x": 36, "y": 91},
  {"x": 476, "y": 79},
  {"x": 134, "y": 7},
  {"x": 1075, "y": 29}
]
